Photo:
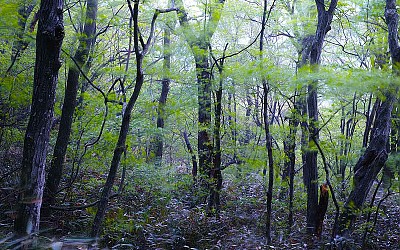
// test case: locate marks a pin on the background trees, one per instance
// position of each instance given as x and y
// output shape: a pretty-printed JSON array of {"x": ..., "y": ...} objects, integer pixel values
[{"x": 228, "y": 98}]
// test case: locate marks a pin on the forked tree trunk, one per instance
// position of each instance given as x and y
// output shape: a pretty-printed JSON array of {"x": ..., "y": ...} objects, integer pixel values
[{"x": 48, "y": 47}]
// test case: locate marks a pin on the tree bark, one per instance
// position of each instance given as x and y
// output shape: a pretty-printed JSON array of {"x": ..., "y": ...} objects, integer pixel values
[
  {"x": 48, "y": 47},
  {"x": 70, "y": 99},
  {"x": 322, "y": 207},
  {"x": 120, "y": 147},
  {"x": 268, "y": 142}
]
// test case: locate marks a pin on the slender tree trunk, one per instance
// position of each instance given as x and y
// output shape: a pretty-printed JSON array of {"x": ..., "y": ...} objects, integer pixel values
[
  {"x": 290, "y": 160},
  {"x": 48, "y": 47},
  {"x": 70, "y": 98},
  {"x": 156, "y": 150},
  {"x": 120, "y": 147},
  {"x": 268, "y": 136},
  {"x": 268, "y": 145},
  {"x": 216, "y": 174},
  {"x": 121, "y": 143}
]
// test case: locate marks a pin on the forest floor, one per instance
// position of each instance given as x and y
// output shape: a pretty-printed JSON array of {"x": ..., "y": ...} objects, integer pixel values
[{"x": 146, "y": 216}]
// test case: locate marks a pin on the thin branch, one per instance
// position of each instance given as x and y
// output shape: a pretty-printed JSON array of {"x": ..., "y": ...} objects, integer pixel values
[
  {"x": 84, "y": 75},
  {"x": 153, "y": 25}
]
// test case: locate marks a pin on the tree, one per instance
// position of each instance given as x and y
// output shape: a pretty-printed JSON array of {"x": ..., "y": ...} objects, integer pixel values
[
  {"x": 199, "y": 44},
  {"x": 373, "y": 159},
  {"x": 158, "y": 143},
  {"x": 141, "y": 48},
  {"x": 268, "y": 136},
  {"x": 48, "y": 47},
  {"x": 86, "y": 41},
  {"x": 313, "y": 52}
]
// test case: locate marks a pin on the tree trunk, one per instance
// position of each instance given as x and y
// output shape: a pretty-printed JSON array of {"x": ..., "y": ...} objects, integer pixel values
[
  {"x": 199, "y": 44},
  {"x": 70, "y": 98},
  {"x": 204, "y": 144},
  {"x": 289, "y": 145},
  {"x": 369, "y": 165},
  {"x": 322, "y": 207},
  {"x": 268, "y": 136},
  {"x": 216, "y": 174},
  {"x": 311, "y": 167},
  {"x": 120, "y": 147},
  {"x": 121, "y": 143},
  {"x": 376, "y": 154},
  {"x": 156, "y": 151},
  {"x": 48, "y": 47}
]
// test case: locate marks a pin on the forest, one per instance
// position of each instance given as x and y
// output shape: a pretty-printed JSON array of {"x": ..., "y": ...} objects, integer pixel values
[{"x": 199, "y": 124}]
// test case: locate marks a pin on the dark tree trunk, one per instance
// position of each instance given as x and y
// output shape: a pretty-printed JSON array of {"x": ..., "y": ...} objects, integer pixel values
[
  {"x": 310, "y": 167},
  {"x": 370, "y": 121},
  {"x": 310, "y": 170},
  {"x": 216, "y": 174},
  {"x": 376, "y": 154},
  {"x": 289, "y": 145},
  {"x": 268, "y": 145},
  {"x": 268, "y": 136},
  {"x": 369, "y": 164},
  {"x": 347, "y": 130},
  {"x": 120, "y": 147},
  {"x": 70, "y": 97},
  {"x": 48, "y": 46}
]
